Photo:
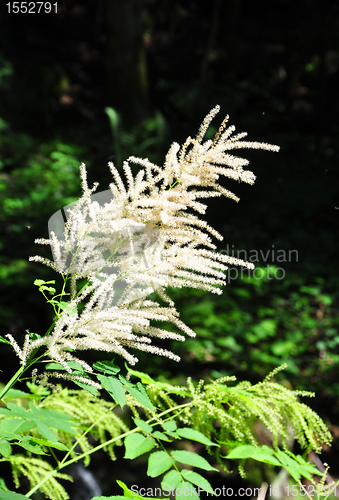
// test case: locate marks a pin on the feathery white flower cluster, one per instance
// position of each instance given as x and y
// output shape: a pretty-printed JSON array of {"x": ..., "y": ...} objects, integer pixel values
[{"x": 144, "y": 238}]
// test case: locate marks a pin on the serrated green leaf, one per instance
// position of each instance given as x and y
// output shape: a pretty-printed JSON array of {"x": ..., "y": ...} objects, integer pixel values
[
  {"x": 158, "y": 463},
  {"x": 197, "y": 479},
  {"x": 190, "y": 458},
  {"x": 170, "y": 425},
  {"x": 46, "y": 432},
  {"x": 11, "y": 495},
  {"x": 106, "y": 367},
  {"x": 143, "y": 425},
  {"x": 16, "y": 393},
  {"x": 124, "y": 381},
  {"x": 285, "y": 459},
  {"x": 136, "y": 444},
  {"x": 186, "y": 491},
  {"x": 265, "y": 457},
  {"x": 140, "y": 394},
  {"x": 66, "y": 306},
  {"x": 35, "y": 417},
  {"x": 50, "y": 444},
  {"x": 171, "y": 480},
  {"x": 71, "y": 364},
  {"x": 188, "y": 433},
  {"x": 3, "y": 340},
  {"x": 38, "y": 390},
  {"x": 49, "y": 289},
  {"x": 3, "y": 484},
  {"x": 114, "y": 388},
  {"x": 263, "y": 454},
  {"x": 39, "y": 282},
  {"x": 161, "y": 435},
  {"x": 127, "y": 492},
  {"x": 31, "y": 445},
  {"x": 144, "y": 377},
  {"x": 87, "y": 387},
  {"x": 243, "y": 451},
  {"x": 5, "y": 447},
  {"x": 12, "y": 425}
]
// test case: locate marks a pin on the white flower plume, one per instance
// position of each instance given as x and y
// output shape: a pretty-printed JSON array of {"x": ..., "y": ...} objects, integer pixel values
[{"x": 140, "y": 238}]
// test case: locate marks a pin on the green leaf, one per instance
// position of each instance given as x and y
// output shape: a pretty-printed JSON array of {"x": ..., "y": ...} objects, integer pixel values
[
  {"x": 65, "y": 306},
  {"x": 38, "y": 390},
  {"x": 158, "y": 463},
  {"x": 114, "y": 388},
  {"x": 38, "y": 418},
  {"x": 136, "y": 444},
  {"x": 127, "y": 492},
  {"x": 11, "y": 495},
  {"x": 197, "y": 479},
  {"x": 50, "y": 444},
  {"x": 140, "y": 394},
  {"x": 13, "y": 425},
  {"x": 3, "y": 340},
  {"x": 87, "y": 387},
  {"x": 186, "y": 491},
  {"x": 190, "y": 458},
  {"x": 71, "y": 364},
  {"x": 3, "y": 484},
  {"x": 243, "y": 451},
  {"x": 39, "y": 282},
  {"x": 265, "y": 454},
  {"x": 124, "y": 381},
  {"x": 171, "y": 480},
  {"x": 144, "y": 377},
  {"x": 31, "y": 445},
  {"x": 106, "y": 367},
  {"x": 46, "y": 432},
  {"x": 5, "y": 447},
  {"x": 49, "y": 289},
  {"x": 290, "y": 465},
  {"x": 170, "y": 425},
  {"x": 161, "y": 435},
  {"x": 188, "y": 433},
  {"x": 16, "y": 393},
  {"x": 143, "y": 425}
]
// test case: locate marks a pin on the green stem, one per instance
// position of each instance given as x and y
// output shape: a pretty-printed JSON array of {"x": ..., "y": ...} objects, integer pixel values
[{"x": 15, "y": 377}]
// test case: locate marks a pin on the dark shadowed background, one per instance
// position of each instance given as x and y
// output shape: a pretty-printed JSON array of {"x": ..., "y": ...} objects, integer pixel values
[{"x": 162, "y": 65}]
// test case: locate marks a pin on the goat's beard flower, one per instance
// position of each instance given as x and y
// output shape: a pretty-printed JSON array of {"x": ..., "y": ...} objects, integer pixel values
[{"x": 145, "y": 238}]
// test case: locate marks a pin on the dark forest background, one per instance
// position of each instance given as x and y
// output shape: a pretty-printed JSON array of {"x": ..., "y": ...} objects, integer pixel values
[{"x": 162, "y": 65}]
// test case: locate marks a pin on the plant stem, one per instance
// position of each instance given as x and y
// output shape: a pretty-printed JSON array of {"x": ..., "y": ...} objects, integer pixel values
[{"x": 12, "y": 381}]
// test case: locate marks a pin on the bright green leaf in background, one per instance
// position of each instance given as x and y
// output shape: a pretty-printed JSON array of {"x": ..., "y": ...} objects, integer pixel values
[
  {"x": 186, "y": 491},
  {"x": 171, "y": 480},
  {"x": 114, "y": 388},
  {"x": 190, "y": 458},
  {"x": 197, "y": 479},
  {"x": 106, "y": 367},
  {"x": 144, "y": 426},
  {"x": 136, "y": 444},
  {"x": 158, "y": 463},
  {"x": 188, "y": 433}
]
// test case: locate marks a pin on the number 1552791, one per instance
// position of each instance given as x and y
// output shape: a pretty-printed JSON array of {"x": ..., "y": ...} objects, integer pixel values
[{"x": 32, "y": 7}]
